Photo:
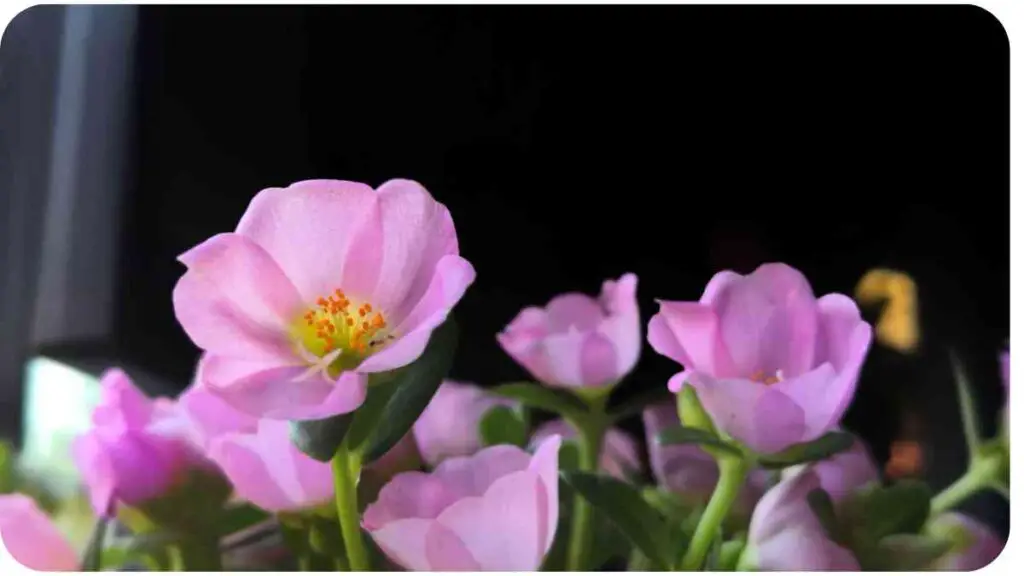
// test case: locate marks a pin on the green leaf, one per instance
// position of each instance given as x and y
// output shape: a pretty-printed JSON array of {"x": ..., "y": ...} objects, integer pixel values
[
  {"x": 821, "y": 504},
  {"x": 92, "y": 557},
  {"x": 879, "y": 511},
  {"x": 638, "y": 403},
  {"x": 910, "y": 552},
  {"x": 624, "y": 506},
  {"x": 827, "y": 446},
  {"x": 239, "y": 517},
  {"x": 503, "y": 425},
  {"x": 687, "y": 435},
  {"x": 415, "y": 386},
  {"x": 968, "y": 413},
  {"x": 543, "y": 398},
  {"x": 320, "y": 439},
  {"x": 569, "y": 456},
  {"x": 711, "y": 559}
]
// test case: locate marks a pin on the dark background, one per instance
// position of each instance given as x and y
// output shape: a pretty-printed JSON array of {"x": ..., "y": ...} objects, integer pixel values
[{"x": 573, "y": 144}]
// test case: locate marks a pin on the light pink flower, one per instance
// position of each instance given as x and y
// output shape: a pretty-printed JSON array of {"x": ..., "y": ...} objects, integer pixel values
[
  {"x": 32, "y": 538},
  {"x": 844, "y": 473},
  {"x": 772, "y": 366},
  {"x": 137, "y": 448},
  {"x": 577, "y": 340},
  {"x": 620, "y": 456},
  {"x": 321, "y": 284},
  {"x": 686, "y": 469},
  {"x": 450, "y": 425},
  {"x": 785, "y": 534},
  {"x": 268, "y": 470},
  {"x": 495, "y": 510},
  {"x": 262, "y": 463},
  {"x": 975, "y": 545}
]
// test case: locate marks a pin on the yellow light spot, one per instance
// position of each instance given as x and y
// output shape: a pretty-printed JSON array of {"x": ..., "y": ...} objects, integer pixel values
[{"x": 898, "y": 324}]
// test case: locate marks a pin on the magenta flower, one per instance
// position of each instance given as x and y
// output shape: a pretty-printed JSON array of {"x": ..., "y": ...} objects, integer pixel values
[
  {"x": 577, "y": 341},
  {"x": 686, "y": 469},
  {"x": 495, "y": 510},
  {"x": 32, "y": 538},
  {"x": 844, "y": 473},
  {"x": 975, "y": 545},
  {"x": 785, "y": 534},
  {"x": 322, "y": 283},
  {"x": 137, "y": 448},
  {"x": 620, "y": 456},
  {"x": 772, "y": 366},
  {"x": 450, "y": 425}
]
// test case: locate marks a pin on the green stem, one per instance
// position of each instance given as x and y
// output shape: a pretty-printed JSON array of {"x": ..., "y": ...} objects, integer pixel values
[
  {"x": 346, "y": 466},
  {"x": 591, "y": 437},
  {"x": 980, "y": 474},
  {"x": 732, "y": 473},
  {"x": 304, "y": 562}
]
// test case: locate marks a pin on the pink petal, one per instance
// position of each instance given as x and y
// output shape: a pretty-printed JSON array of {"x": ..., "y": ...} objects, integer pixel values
[
  {"x": 308, "y": 228},
  {"x": 409, "y": 495},
  {"x": 513, "y": 543},
  {"x": 573, "y": 310},
  {"x": 438, "y": 435},
  {"x": 718, "y": 284},
  {"x": 822, "y": 396},
  {"x": 784, "y": 507},
  {"x": 452, "y": 277},
  {"x": 267, "y": 470},
  {"x": 580, "y": 359},
  {"x": 234, "y": 299},
  {"x": 768, "y": 321},
  {"x": 210, "y": 416},
  {"x": 96, "y": 471},
  {"x": 396, "y": 248},
  {"x": 688, "y": 333},
  {"x": 545, "y": 464},
  {"x": 619, "y": 296},
  {"x": 804, "y": 548},
  {"x": 32, "y": 538},
  {"x": 763, "y": 418},
  {"x": 684, "y": 468},
  {"x": 445, "y": 551},
  {"x": 281, "y": 392},
  {"x": 846, "y": 472},
  {"x": 405, "y": 542},
  {"x": 122, "y": 406},
  {"x": 472, "y": 476}
]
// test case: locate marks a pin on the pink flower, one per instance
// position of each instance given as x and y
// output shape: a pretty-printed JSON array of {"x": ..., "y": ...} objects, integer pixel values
[
  {"x": 322, "y": 284},
  {"x": 261, "y": 462},
  {"x": 31, "y": 537},
  {"x": 620, "y": 456},
  {"x": 268, "y": 470},
  {"x": 772, "y": 366},
  {"x": 578, "y": 341},
  {"x": 785, "y": 534},
  {"x": 686, "y": 469},
  {"x": 495, "y": 510},
  {"x": 844, "y": 473},
  {"x": 975, "y": 545},
  {"x": 450, "y": 425},
  {"x": 137, "y": 448}
]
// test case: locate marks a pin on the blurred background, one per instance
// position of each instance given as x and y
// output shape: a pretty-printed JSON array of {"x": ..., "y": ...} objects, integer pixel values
[{"x": 571, "y": 144}]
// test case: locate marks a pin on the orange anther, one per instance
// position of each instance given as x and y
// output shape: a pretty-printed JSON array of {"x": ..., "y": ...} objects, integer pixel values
[
  {"x": 362, "y": 312},
  {"x": 378, "y": 320},
  {"x": 366, "y": 325},
  {"x": 349, "y": 321},
  {"x": 321, "y": 301}
]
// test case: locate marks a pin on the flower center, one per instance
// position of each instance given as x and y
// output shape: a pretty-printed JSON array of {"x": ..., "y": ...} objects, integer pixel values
[
  {"x": 336, "y": 324},
  {"x": 768, "y": 380}
]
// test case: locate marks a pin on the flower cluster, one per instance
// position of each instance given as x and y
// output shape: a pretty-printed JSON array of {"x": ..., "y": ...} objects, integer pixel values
[{"x": 321, "y": 414}]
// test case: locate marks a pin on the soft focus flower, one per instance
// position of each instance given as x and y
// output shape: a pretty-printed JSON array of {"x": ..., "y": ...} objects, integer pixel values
[
  {"x": 843, "y": 473},
  {"x": 975, "y": 545},
  {"x": 495, "y": 510},
  {"x": 686, "y": 469},
  {"x": 321, "y": 284},
  {"x": 137, "y": 448},
  {"x": 785, "y": 533},
  {"x": 772, "y": 366},
  {"x": 32, "y": 538},
  {"x": 260, "y": 460},
  {"x": 450, "y": 425},
  {"x": 620, "y": 456},
  {"x": 578, "y": 341}
]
